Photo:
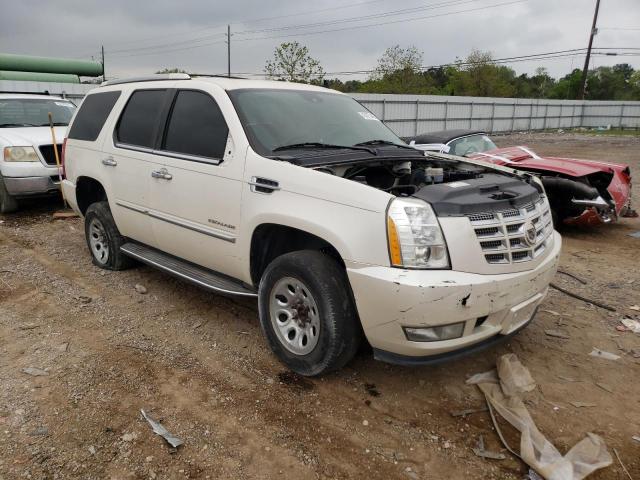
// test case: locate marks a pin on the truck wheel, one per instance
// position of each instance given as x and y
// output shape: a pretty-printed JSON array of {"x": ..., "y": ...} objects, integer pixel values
[
  {"x": 307, "y": 313},
  {"x": 104, "y": 239},
  {"x": 8, "y": 204}
]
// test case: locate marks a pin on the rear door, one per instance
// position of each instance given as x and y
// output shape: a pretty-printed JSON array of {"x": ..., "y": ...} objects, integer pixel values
[
  {"x": 196, "y": 195},
  {"x": 129, "y": 160}
]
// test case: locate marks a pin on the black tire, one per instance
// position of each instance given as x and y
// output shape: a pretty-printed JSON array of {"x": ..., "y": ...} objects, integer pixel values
[
  {"x": 108, "y": 256},
  {"x": 339, "y": 330},
  {"x": 8, "y": 204}
]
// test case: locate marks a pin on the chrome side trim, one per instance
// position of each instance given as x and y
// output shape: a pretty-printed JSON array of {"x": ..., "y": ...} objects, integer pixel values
[
  {"x": 182, "y": 275},
  {"x": 165, "y": 218},
  {"x": 205, "y": 231},
  {"x": 135, "y": 208},
  {"x": 165, "y": 153}
]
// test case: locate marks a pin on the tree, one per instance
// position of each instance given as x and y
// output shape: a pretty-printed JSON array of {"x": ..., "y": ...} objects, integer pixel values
[
  {"x": 479, "y": 76},
  {"x": 397, "y": 59},
  {"x": 171, "y": 70},
  {"x": 292, "y": 62}
]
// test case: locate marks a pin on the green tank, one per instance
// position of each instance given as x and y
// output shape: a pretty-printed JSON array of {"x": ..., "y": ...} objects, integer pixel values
[
  {"x": 26, "y": 63},
  {"x": 39, "y": 77}
]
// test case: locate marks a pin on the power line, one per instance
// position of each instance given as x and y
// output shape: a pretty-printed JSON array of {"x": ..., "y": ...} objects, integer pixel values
[
  {"x": 296, "y": 27},
  {"x": 359, "y": 18},
  {"x": 356, "y": 27},
  {"x": 253, "y": 21}
]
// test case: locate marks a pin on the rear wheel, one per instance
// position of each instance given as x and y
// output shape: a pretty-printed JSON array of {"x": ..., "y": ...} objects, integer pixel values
[
  {"x": 307, "y": 313},
  {"x": 104, "y": 239},
  {"x": 8, "y": 204}
]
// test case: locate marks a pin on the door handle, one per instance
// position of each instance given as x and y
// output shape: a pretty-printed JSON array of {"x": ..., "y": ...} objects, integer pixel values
[
  {"x": 163, "y": 173},
  {"x": 109, "y": 162}
]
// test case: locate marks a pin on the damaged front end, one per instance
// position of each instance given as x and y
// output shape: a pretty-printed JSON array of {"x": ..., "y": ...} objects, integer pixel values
[{"x": 594, "y": 199}]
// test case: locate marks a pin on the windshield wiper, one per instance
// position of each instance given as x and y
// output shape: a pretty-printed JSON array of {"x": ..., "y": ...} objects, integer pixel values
[
  {"x": 383, "y": 142},
  {"x": 18, "y": 125},
  {"x": 321, "y": 145},
  {"x": 55, "y": 124}
]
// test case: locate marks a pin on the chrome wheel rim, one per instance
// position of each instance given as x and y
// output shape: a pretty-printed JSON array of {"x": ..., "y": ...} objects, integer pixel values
[
  {"x": 98, "y": 241},
  {"x": 294, "y": 315}
]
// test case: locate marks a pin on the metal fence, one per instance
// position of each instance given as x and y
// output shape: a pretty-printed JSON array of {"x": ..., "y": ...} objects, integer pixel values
[{"x": 413, "y": 114}]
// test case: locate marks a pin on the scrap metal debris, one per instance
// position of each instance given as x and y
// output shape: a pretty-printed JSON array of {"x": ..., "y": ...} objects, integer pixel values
[
  {"x": 636, "y": 438},
  {"x": 468, "y": 411},
  {"x": 596, "y": 352},
  {"x": 35, "y": 372},
  {"x": 571, "y": 275},
  {"x": 583, "y": 404},
  {"x": 604, "y": 387},
  {"x": 622, "y": 464},
  {"x": 480, "y": 451},
  {"x": 158, "y": 429},
  {"x": 503, "y": 388},
  {"x": 634, "y": 234},
  {"x": 557, "y": 334},
  {"x": 584, "y": 299}
]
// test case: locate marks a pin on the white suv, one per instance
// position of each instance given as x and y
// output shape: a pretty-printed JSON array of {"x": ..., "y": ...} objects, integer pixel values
[
  {"x": 27, "y": 158},
  {"x": 301, "y": 197}
]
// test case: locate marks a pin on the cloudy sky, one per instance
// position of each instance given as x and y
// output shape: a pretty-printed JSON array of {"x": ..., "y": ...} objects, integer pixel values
[{"x": 349, "y": 35}]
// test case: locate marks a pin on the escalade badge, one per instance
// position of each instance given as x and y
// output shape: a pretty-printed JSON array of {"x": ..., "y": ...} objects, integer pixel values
[{"x": 530, "y": 233}]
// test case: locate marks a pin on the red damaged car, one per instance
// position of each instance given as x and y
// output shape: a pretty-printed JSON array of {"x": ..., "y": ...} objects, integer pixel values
[{"x": 581, "y": 192}]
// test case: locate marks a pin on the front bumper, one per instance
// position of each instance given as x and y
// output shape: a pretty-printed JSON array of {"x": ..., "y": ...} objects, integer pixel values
[
  {"x": 25, "y": 186},
  {"x": 389, "y": 299}
]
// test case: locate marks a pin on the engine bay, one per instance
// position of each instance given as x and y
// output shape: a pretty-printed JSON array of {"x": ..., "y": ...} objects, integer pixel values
[{"x": 451, "y": 186}]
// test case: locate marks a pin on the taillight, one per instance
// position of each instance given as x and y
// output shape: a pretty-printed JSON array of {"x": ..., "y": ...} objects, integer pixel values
[{"x": 64, "y": 147}]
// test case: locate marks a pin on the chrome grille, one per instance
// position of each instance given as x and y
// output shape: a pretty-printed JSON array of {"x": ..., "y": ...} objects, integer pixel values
[{"x": 503, "y": 235}]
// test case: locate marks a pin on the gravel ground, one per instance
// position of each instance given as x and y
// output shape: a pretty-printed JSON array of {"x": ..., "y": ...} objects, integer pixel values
[{"x": 97, "y": 351}]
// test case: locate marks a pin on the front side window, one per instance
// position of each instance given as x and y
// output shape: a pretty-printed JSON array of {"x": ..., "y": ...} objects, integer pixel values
[
  {"x": 137, "y": 125},
  {"x": 471, "y": 144},
  {"x": 196, "y": 126},
  {"x": 274, "y": 118},
  {"x": 34, "y": 112}
]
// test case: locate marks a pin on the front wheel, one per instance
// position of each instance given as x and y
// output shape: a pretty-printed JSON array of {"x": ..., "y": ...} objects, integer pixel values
[
  {"x": 8, "y": 204},
  {"x": 307, "y": 313}
]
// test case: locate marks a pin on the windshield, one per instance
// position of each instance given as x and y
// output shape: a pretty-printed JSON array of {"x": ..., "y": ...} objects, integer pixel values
[
  {"x": 34, "y": 112},
  {"x": 274, "y": 118},
  {"x": 471, "y": 144}
]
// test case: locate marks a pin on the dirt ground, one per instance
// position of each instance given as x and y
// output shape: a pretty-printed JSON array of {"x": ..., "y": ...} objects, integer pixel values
[{"x": 198, "y": 363}]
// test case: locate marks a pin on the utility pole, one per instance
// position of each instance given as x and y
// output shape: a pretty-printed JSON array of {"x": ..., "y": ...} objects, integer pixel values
[
  {"x": 585, "y": 70},
  {"x": 104, "y": 78},
  {"x": 229, "y": 50}
]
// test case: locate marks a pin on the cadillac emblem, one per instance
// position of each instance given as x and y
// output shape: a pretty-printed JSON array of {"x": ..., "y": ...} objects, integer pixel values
[{"x": 530, "y": 234}]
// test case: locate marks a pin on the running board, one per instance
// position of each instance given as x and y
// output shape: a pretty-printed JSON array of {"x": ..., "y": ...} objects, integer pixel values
[{"x": 203, "y": 277}]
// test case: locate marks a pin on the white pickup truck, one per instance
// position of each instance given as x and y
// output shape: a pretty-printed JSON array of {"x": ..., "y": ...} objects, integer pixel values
[
  {"x": 299, "y": 196},
  {"x": 27, "y": 159}
]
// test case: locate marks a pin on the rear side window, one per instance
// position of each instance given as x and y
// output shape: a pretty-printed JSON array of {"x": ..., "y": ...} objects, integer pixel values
[
  {"x": 92, "y": 114},
  {"x": 138, "y": 122},
  {"x": 196, "y": 126}
]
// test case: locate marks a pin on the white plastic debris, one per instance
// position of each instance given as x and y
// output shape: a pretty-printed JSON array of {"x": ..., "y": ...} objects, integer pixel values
[
  {"x": 158, "y": 429},
  {"x": 596, "y": 352},
  {"x": 631, "y": 324},
  {"x": 536, "y": 451}
]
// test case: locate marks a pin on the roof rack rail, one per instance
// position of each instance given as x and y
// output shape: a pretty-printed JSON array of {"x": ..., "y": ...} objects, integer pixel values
[
  {"x": 217, "y": 75},
  {"x": 148, "y": 78}
]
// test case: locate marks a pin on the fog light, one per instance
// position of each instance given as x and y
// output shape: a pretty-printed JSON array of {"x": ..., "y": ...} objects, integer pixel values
[{"x": 434, "y": 334}]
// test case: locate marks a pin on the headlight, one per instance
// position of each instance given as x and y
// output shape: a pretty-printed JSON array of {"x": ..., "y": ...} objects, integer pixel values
[
  {"x": 20, "y": 154},
  {"x": 414, "y": 235}
]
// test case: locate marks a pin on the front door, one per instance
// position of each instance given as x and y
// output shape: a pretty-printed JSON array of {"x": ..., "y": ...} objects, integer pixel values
[{"x": 196, "y": 193}]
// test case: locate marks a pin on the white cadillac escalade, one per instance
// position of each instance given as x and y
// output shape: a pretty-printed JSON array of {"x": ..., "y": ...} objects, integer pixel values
[
  {"x": 299, "y": 196},
  {"x": 27, "y": 159}
]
